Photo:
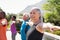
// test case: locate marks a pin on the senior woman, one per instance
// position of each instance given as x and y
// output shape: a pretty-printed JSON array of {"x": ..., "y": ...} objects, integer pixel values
[
  {"x": 24, "y": 27},
  {"x": 36, "y": 30}
]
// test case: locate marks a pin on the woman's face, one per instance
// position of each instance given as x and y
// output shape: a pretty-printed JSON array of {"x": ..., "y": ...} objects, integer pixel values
[
  {"x": 25, "y": 17},
  {"x": 12, "y": 18},
  {"x": 34, "y": 15}
]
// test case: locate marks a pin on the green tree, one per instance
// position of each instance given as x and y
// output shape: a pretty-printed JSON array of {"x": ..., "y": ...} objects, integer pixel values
[
  {"x": 52, "y": 14},
  {"x": 20, "y": 15}
]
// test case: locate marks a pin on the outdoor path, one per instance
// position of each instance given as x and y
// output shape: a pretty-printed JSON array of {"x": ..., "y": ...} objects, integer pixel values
[{"x": 8, "y": 33}]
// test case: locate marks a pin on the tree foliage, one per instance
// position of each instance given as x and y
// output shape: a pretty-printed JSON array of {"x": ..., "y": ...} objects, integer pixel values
[{"x": 52, "y": 14}]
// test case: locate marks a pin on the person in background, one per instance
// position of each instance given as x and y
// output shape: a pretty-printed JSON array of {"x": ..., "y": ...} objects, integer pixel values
[
  {"x": 13, "y": 27},
  {"x": 24, "y": 27},
  {"x": 18, "y": 25},
  {"x": 3, "y": 25}
]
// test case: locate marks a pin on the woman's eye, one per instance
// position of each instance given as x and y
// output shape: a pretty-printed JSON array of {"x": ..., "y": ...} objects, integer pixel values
[
  {"x": 34, "y": 13},
  {"x": 30, "y": 12}
]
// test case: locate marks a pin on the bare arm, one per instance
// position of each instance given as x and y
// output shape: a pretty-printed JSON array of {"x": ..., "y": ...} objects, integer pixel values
[{"x": 40, "y": 28}]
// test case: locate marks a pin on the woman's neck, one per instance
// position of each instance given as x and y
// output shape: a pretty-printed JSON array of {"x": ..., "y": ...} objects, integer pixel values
[{"x": 36, "y": 21}]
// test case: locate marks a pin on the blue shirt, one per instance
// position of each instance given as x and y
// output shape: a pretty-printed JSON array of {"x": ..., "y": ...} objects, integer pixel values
[{"x": 22, "y": 30}]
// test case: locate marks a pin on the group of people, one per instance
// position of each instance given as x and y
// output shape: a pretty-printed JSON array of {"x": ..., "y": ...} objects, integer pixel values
[{"x": 29, "y": 31}]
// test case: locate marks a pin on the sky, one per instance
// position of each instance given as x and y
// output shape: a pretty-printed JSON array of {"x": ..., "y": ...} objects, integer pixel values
[{"x": 15, "y": 6}]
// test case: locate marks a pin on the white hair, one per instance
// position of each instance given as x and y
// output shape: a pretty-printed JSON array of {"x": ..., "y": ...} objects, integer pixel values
[
  {"x": 26, "y": 14},
  {"x": 38, "y": 9}
]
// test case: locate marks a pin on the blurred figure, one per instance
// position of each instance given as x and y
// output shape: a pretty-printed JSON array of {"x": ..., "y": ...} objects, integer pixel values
[
  {"x": 18, "y": 25},
  {"x": 3, "y": 26},
  {"x": 13, "y": 27},
  {"x": 24, "y": 27},
  {"x": 36, "y": 30}
]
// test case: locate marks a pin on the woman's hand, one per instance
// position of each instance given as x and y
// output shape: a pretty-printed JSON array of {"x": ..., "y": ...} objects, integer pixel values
[{"x": 55, "y": 28}]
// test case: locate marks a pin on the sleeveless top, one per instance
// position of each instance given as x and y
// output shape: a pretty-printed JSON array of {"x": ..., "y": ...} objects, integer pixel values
[{"x": 33, "y": 34}]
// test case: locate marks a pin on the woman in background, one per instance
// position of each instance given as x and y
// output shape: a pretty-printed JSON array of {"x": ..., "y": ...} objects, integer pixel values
[
  {"x": 3, "y": 26},
  {"x": 24, "y": 27},
  {"x": 13, "y": 27}
]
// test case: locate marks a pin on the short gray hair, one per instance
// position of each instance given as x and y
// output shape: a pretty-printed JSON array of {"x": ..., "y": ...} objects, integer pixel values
[{"x": 26, "y": 14}]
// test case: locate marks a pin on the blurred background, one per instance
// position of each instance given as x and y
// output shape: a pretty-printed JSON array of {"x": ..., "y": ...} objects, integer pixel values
[{"x": 50, "y": 10}]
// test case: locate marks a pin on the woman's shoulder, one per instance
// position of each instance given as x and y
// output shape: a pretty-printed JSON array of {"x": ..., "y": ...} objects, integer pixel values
[{"x": 4, "y": 21}]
